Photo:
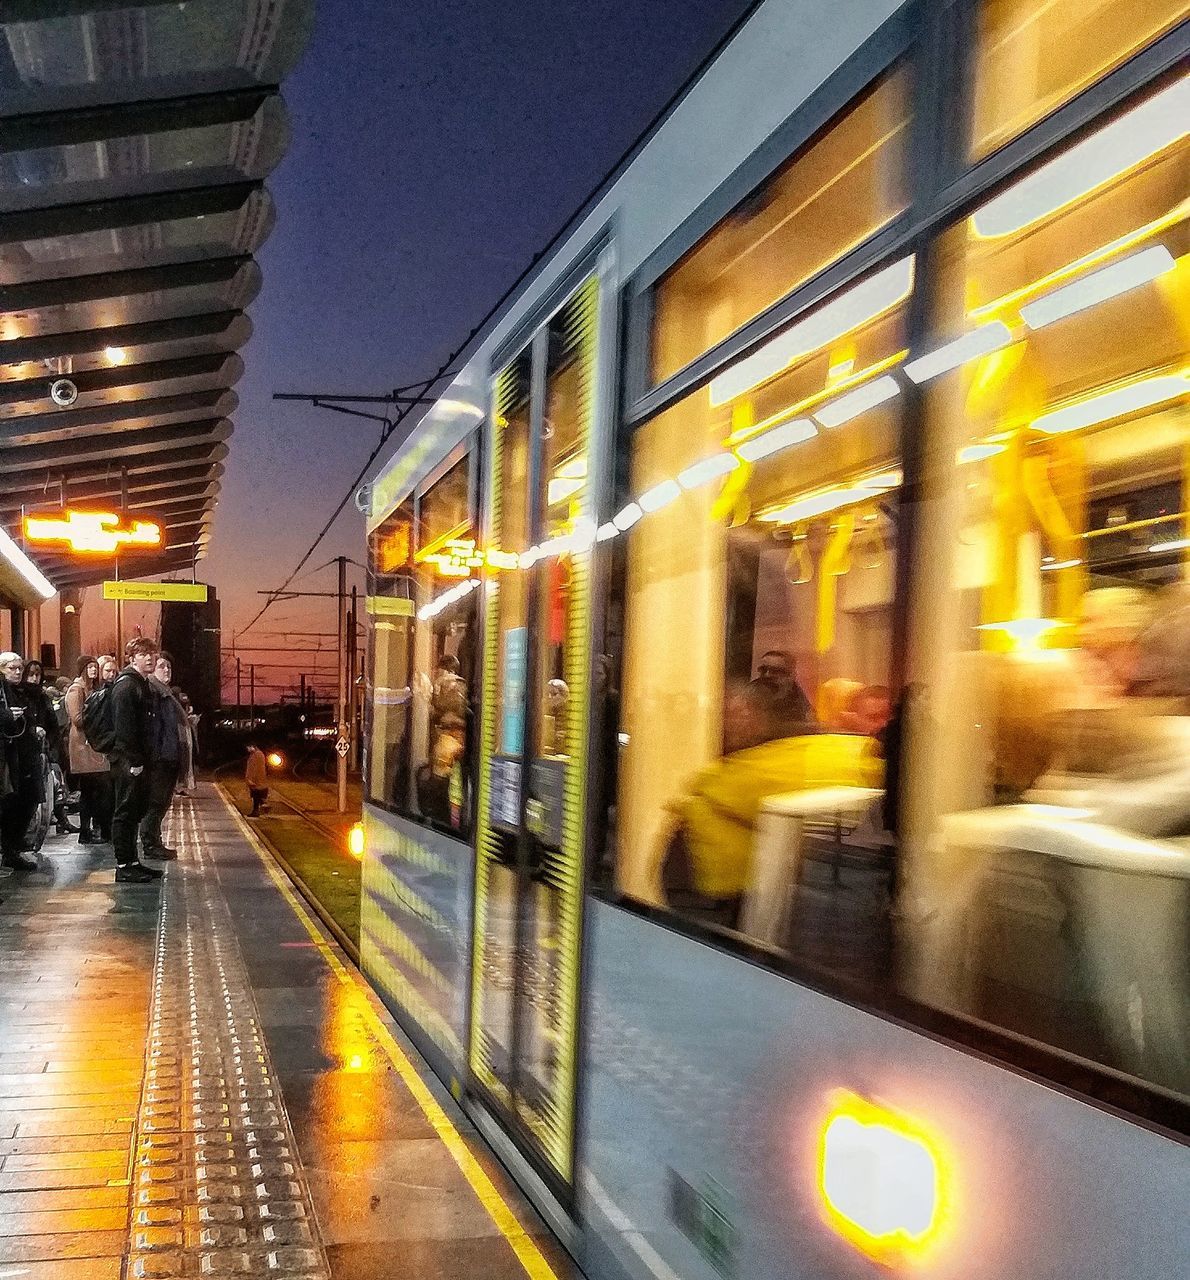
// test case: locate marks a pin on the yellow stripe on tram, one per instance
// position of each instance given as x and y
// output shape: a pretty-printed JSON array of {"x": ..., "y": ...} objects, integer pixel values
[{"x": 509, "y": 1226}]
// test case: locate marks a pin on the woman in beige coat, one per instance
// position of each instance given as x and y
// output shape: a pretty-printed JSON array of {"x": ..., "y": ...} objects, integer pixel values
[{"x": 89, "y": 767}]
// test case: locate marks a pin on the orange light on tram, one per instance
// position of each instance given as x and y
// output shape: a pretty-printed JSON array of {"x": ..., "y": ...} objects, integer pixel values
[
  {"x": 98, "y": 532},
  {"x": 355, "y": 841},
  {"x": 882, "y": 1180}
]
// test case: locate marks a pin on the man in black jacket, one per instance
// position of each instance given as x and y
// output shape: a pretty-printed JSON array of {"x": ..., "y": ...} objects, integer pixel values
[{"x": 134, "y": 719}]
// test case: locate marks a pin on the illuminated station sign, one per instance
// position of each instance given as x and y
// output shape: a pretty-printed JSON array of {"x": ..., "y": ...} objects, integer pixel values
[{"x": 93, "y": 532}]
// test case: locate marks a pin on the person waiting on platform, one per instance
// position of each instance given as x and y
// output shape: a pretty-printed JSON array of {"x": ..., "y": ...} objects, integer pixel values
[
  {"x": 707, "y": 862},
  {"x": 256, "y": 775},
  {"x": 90, "y": 769},
  {"x": 20, "y": 774},
  {"x": 33, "y": 682},
  {"x": 171, "y": 744},
  {"x": 134, "y": 723}
]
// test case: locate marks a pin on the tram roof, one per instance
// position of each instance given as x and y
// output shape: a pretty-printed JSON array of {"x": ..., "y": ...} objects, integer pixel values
[{"x": 135, "y": 141}]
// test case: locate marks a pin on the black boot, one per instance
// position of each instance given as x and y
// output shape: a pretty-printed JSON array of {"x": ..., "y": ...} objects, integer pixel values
[
  {"x": 135, "y": 873},
  {"x": 20, "y": 861}
]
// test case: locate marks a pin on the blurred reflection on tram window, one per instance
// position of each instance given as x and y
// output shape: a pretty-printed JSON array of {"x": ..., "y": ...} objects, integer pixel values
[
  {"x": 1045, "y": 854},
  {"x": 758, "y": 631},
  {"x": 444, "y": 654},
  {"x": 1034, "y": 55},
  {"x": 423, "y": 656},
  {"x": 391, "y": 618},
  {"x": 998, "y": 825}
]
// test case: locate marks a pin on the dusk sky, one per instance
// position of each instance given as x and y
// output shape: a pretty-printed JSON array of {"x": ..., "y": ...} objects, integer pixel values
[{"x": 435, "y": 148}]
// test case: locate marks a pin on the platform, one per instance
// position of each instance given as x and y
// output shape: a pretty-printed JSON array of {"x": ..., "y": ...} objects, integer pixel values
[{"x": 195, "y": 1082}]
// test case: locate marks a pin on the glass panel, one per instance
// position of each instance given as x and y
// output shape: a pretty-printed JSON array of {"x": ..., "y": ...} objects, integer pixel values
[
  {"x": 759, "y": 611},
  {"x": 1049, "y": 887},
  {"x": 555, "y": 813},
  {"x": 444, "y": 651},
  {"x": 150, "y": 50},
  {"x": 73, "y": 173},
  {"x": 1034, "y": 55},
  {"x": 564, "y": 499},
  {"x": 512, "y": 656},
  {"x": 829, "y": 198},
  {"x": 390, "y": 613},
  {"x": 494, "y": 971}
]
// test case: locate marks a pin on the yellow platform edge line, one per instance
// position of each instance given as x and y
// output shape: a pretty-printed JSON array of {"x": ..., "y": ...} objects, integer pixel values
[{"x": 507, "y": 1223}]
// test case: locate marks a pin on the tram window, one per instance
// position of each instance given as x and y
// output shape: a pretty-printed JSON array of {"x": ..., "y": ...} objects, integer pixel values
[
  {"x": 391, "y": 616},
  {"x": 758, "y": 629},
  {"x": 444, "y": 659},
  {"x": 564, "y": 478},
  {"x": 1034, "y": 55},
  {"x": 834, "y": 194},
  {"x": 1048, "y": 798}
]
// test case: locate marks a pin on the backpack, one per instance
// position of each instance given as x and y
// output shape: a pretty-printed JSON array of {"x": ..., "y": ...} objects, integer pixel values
[{"x": 99, "y": 726}]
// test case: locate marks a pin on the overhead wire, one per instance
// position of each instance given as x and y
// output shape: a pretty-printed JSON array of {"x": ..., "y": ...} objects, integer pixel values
[{"x": 419, "y": 389}]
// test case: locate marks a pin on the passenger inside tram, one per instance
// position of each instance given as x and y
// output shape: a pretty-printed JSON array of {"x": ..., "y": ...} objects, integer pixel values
[{"x": 1010, "y": 842}]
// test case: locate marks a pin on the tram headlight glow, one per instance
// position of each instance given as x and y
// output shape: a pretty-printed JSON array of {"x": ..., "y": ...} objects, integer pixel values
[
  {"x": 881, "y": 1179},
  {"x": 355, "y": 840}
]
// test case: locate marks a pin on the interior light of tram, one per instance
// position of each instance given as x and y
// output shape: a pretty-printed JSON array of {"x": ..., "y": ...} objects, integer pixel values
[
  {"x": 1129, "y": 141},
  {"x": 700, "y": 473},
  {"x": 1025, "y": 633},
  {"x": 979, "y": 452},
  {"x": 1104, "y": 404},
  {"x": 1177, "y": 544},
  {"x": 977, "y": 342},
  {"x": 858, "y": 306},
  {"x": 1129, "y": 273},
  {"x": 782, "y": 437},
  {"x": 627, "y": 517},
  {"x": 836, "y": 412},
  {"x": 1096, "y": 258},
  {"x": 660, "y": 495}
]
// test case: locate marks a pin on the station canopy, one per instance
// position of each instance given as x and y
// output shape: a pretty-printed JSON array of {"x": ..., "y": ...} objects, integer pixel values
[{"x": 135, "y": 140}]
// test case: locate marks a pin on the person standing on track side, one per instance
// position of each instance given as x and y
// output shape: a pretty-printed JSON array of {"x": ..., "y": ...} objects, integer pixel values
[
  {"x": 256, "y": 775},
  {"x": 134, "y": 721}
]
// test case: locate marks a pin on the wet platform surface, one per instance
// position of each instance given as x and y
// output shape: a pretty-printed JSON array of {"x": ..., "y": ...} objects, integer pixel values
[{"x": 195, "y": 1083}]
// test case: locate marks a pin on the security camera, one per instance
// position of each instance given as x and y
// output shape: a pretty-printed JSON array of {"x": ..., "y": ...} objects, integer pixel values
[
  {"x": 63, "y": 392},
  {"x": 363, "y": 499}
]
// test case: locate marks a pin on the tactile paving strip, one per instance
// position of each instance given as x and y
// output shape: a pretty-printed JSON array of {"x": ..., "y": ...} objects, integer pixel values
[{"x": 219, "y": 1190}]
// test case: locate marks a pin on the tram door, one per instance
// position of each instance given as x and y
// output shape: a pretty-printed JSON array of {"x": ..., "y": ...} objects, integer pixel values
[{"x": 534, "y": 717}]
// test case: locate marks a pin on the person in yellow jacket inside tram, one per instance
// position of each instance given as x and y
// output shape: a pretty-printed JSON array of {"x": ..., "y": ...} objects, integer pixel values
[{"x": 707, "y": 863}]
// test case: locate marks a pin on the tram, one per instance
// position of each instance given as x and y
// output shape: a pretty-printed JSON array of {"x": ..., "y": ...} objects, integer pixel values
[{"x": 777, "y": 826}]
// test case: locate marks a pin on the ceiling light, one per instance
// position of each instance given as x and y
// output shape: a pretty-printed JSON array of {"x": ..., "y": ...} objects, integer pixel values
[
  {"x": 1178, "y": 544},
  {"x": 1114, "y": 403},
  {"x": 978, "y": 342},
  {"x": 836, "y": 412},
  {"x": 718, "y": 464},
  {"x": 1099, "y": 286},
  {"x": 1063, "y": 564},
  {"x": 1123, "y": 144},
  {"x": 115, "y": 355},
  {"x": 625, "y": 519},
  {"x": 574, "y": 469},
  {"x": 860, "y": 305},
  {"x": 606, "y": 531},
  {"x": 660, "y": 495},
  {"x": 819, "y": 504},
  {"x": 782, "y": 437}
]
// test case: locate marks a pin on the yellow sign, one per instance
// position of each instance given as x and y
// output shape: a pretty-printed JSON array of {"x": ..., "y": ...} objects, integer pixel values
[
  {"x": 92, "y": 531},
  {"x": 390, "y": 607},
  {"x": 186, "y": 592}
]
